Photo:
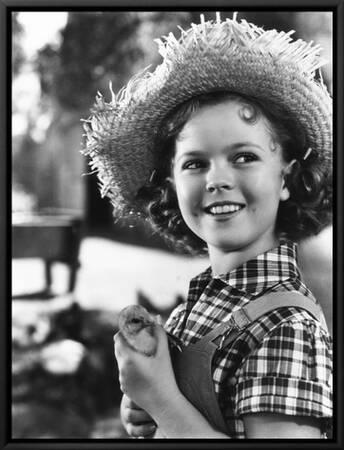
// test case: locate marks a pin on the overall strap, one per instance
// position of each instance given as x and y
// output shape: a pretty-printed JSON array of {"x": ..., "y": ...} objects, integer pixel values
[
  {"x": 267, "y": 303},
  {"x": 243, "y": 317}
]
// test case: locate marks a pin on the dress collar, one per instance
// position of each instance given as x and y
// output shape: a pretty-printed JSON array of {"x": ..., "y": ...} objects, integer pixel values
[{"x": 258, "y": 274}]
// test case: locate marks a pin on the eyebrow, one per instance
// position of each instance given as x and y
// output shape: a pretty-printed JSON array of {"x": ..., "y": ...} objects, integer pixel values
[{"x": 233, "y": 147}]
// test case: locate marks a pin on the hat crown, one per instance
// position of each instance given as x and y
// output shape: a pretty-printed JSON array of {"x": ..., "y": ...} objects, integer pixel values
[
  {"x": 232, "y": 38},
  {"x": 212, "y": 56}
]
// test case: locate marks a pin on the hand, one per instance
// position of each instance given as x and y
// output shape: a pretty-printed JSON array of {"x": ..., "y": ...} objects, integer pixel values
[
  {"x": 136, "y": 421},
  {"x": 147, "y": 380}
]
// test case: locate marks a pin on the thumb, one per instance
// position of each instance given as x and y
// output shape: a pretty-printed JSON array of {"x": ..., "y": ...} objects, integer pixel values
[
  {"x": 128, "y": 403},
  {"x": 161, "y": 336}
]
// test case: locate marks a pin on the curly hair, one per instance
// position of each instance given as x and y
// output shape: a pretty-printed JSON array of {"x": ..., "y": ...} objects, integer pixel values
[{"x": 309, "y": 207}]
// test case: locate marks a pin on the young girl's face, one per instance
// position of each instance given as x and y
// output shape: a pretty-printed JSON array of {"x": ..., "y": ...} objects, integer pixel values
[{"x": 228, "y": 176}]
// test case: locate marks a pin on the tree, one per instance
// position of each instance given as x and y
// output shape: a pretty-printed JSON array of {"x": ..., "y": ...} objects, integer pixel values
[
  {"x": 96, "y": 48},
  {"x": 17, "y": 52}
]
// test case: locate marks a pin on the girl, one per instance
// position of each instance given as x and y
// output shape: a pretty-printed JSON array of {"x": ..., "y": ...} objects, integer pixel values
[{"x": 226, "y": 147}]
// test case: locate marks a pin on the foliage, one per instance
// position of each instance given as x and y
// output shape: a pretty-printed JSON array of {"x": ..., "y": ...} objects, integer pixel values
[{"x": 96, "y": 48}]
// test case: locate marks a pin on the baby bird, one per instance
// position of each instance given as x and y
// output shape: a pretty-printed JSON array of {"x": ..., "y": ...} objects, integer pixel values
[{"x": 138, "y": 329}]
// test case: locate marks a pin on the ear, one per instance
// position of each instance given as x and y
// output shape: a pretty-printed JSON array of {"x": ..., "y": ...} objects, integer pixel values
[{"x": 285, "y": 193}]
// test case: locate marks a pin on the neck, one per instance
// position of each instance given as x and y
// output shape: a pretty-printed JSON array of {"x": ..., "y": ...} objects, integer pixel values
[{"x": 223, "y": 261}]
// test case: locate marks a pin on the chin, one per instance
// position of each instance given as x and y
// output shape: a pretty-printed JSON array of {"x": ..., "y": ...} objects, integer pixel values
[{"x": 225, "y": 245}]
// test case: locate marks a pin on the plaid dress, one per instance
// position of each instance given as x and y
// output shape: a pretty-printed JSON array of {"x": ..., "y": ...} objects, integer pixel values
[{"x": 282, "y": 363}]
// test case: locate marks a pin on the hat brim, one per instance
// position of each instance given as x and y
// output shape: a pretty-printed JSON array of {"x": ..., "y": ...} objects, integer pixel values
[{"x": 122, "y": 134}]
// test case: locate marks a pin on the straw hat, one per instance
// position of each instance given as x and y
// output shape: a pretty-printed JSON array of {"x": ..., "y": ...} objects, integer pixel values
[{"x": 216, "y": 55}]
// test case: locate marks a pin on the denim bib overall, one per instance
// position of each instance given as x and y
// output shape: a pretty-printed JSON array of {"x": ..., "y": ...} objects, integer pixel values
[{"x": 193, "y": 363}]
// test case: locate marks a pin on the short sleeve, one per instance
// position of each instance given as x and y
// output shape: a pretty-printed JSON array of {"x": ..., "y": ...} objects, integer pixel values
[{"x": 288, "y": 373}]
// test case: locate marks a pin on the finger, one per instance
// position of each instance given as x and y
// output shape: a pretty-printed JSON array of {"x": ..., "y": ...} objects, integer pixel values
[
  {"x": 131, "y": 412},
  {"x": 136, "y": 416},
  {"x": 118, "y": 344},
  {"x": 128, "y": 403},
  {"x": 117, "y": 337},
  {"x": 121, "y": 346},
  {"x": 143, "y": 430}
]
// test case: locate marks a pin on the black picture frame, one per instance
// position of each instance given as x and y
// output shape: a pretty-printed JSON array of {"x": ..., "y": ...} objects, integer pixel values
[{"x": 6, "y": 7}]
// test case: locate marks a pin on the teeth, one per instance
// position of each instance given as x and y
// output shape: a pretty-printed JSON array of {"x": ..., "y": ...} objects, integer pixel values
[{"x": 223, "y": 209}]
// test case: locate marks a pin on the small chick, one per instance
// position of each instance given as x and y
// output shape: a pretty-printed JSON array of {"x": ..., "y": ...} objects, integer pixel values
[{"x": 138, "y": 329}]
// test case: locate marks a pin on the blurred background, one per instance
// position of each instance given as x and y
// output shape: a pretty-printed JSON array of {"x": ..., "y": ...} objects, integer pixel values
[{"x": 73, "y": 269}]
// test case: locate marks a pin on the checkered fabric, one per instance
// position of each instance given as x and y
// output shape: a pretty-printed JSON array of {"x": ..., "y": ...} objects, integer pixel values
[{"x": 282, "y": 363}]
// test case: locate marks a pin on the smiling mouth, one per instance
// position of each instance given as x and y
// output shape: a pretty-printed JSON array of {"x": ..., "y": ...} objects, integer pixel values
[{"x": 223, "y": 208}]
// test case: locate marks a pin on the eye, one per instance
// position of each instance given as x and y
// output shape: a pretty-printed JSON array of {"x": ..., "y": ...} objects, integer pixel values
[
  {"x": 194, "y": 164},
  {"x": 136, "y": 320},
  {"x": 244, "y": 158}
]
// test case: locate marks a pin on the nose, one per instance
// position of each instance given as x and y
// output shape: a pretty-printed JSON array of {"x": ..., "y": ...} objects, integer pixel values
[
  {"x": 217, "y": 186},
  {"x": 219, "y": 180}
]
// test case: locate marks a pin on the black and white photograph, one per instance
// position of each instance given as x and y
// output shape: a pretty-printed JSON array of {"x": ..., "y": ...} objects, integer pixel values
[{"x": 171, "y": 266}]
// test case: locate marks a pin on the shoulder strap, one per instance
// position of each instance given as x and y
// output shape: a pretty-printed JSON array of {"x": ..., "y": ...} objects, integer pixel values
[
  {"x": 243, "y": 317},
  {"x": 263, "y": 305}
]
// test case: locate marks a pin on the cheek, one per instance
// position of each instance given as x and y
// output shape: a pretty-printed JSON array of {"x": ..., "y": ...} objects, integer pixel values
[
  {"x": 188, "y": 192},
  {"x": 263, "y": 185}
]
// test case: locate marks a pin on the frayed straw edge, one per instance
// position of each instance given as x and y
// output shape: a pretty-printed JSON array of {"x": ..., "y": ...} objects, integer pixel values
[{"x": 242, "y": 35}]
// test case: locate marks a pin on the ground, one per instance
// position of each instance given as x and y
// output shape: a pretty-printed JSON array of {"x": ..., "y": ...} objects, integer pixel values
[{"x": 61, "y": 389}]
